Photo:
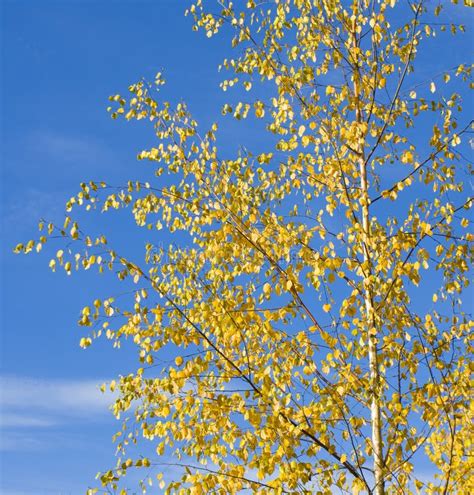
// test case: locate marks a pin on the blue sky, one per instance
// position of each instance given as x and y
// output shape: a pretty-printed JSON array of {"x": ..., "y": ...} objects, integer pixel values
[{"x": 60, "y": 62}]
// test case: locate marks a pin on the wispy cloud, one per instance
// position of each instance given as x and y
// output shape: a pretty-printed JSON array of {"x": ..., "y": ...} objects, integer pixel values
[
  {"x": 62, "y": 397},
  {"x": 14, "y": 441},
  {"x": 29, "y": 405},
  {"x": 11, "y": 420},
  {"x": 69, "y": 150},
  {"x": 22, "y": 212},
  {"x": 56, "y": 162}
]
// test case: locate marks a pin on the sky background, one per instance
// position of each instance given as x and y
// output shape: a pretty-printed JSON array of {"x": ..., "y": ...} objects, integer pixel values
[{"x": 60, "y": 62}]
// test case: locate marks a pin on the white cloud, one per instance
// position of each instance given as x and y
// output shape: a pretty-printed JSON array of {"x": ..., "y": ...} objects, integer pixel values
[
  {"x": 71, "y": 150},
  {"x": 13, "y": 441},
  {"x": 22, "y": 213},
  {"x": 12, "y": 420},
  {"x": 62, "y": 397},
  {"x": 30, "y": 405}
]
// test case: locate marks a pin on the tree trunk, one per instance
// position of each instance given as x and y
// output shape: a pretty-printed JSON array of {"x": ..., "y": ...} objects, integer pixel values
[{"x": 372, "y": 333}]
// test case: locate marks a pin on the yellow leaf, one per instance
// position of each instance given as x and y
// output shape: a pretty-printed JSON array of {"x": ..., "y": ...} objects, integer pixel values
[
  {"x": 407, "y": 157},
  {"x": 85, "y": 342}
]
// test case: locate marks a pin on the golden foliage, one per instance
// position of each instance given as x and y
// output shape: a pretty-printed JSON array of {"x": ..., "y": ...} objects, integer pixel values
[{"x": 254, "y": 334}]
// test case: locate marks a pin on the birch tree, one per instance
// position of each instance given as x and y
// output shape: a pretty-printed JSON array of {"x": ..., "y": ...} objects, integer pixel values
[{"x": 301, "y": 311}]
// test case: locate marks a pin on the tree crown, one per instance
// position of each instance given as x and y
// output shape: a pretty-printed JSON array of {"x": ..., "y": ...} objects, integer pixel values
[{"x": 311, "y": 335}]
